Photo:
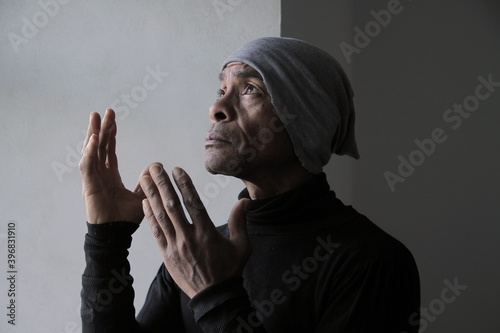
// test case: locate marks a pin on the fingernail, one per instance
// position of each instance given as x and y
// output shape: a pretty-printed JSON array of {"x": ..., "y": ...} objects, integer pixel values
[
  {"x": 156, "y": 169},
  {"x": 145, "y": 181},
  {"x": 177, "y": 172}
]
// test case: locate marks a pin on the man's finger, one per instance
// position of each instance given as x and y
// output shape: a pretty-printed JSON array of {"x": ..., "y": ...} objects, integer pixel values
[
  {"x": 164, "y": 200},
  {"x": 145, "y": 172},
  {"x": 108, "y": 123},
  {"x": 155, "y": 204},
  {"x": 94, "y": 127},
  {"x": 158, "y": 231},
  {"x": 138, "y": 189},
  {"x": 111, "y": 158},
  {"x": 89, "y": 154},
  {"x": 191, "y": 199},
  {"x": 169, "y": 198},
  {"x": 88, "y": 165}
]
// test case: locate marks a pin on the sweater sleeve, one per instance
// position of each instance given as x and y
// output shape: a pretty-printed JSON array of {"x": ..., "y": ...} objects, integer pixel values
[
  {"x": 162, "y": 311},
  {"x": 225, "y": 307},
  {"x": 107, "y": 294}
]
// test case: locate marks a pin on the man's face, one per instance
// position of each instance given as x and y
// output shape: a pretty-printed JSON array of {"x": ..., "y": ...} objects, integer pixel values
[{"x": 246, "y": 138}]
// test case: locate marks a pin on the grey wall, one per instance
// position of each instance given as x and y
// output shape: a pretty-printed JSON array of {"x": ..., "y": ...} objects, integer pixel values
[
  {"x": 60, "y": 62},
  {"x": 406, "y": 77}
]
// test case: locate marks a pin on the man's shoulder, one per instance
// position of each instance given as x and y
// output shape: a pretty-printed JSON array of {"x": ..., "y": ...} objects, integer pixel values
[
  {"x": 357, "y": 239},
  {"x": 364, "y": 241}
]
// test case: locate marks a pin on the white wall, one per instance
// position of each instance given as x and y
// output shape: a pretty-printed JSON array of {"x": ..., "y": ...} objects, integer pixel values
[
  {"x": 405, "y": 78},
  {"x": 86, "y": 56}
]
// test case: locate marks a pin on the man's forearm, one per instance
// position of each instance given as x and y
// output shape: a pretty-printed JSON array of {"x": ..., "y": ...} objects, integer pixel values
[{"x": 107, "y": 294}]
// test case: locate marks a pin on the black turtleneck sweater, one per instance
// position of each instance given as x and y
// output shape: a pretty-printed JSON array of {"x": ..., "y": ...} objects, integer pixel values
[{"x": 316, "y": 266}]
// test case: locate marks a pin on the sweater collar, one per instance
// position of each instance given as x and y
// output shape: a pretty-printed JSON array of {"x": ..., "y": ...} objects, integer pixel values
[{"x": 313, "y": 198}]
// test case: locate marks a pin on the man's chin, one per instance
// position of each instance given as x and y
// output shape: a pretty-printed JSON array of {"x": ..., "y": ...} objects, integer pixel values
[
  {"x": 226, "y": 168},
  {"x": 212, "y": 171}
]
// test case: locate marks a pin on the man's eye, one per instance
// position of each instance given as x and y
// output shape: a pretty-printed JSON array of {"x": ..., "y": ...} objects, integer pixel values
[
  {"x": 251, "y": 90},
  {"x": 220, "y": 93}
]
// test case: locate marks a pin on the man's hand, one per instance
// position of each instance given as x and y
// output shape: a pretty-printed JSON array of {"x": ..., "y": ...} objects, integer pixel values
[
  {"x": 106, "y": 199},
  {"x": 195, "y": 254}
]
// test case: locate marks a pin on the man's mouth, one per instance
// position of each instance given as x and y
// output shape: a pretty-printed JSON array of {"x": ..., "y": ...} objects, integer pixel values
[{"x": 214, "y": 138}]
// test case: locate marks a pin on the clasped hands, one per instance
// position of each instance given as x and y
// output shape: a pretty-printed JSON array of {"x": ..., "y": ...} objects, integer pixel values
[{"x": 195, "y": 254}]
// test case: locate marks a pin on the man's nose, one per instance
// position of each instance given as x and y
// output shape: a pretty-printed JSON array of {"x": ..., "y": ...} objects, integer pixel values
[{"x": 222, "y": 110}]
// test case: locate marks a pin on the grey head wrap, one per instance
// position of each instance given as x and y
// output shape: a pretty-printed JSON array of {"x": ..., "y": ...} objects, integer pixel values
[{"x": 311, "y": 94}]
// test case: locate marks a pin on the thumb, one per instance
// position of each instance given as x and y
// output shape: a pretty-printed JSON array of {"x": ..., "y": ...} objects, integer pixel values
[{"x": 237, "y": 223}]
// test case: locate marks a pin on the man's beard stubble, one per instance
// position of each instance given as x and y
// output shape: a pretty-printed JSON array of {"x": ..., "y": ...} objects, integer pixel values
[{"x": 223, "y": 163}]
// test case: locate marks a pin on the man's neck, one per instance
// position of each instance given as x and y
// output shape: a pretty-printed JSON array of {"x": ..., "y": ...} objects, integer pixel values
[{"x": 271, "y": 185}]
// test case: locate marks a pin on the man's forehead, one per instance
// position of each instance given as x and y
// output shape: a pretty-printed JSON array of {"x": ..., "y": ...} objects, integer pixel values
[{"x": 240, "y": 70}]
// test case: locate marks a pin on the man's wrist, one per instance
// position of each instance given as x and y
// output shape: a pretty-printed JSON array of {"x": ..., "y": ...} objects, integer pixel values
[
  {"x": 216, "y": 295},
  {"x": 113, "y": 232}
]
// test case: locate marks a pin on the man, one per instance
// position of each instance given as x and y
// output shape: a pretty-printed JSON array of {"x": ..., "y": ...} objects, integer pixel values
[{"x": 292, "y": 257}]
